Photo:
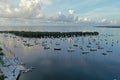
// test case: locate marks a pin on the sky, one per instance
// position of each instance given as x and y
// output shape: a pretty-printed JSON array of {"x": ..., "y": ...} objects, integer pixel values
[{"x": 59, "y": 12}]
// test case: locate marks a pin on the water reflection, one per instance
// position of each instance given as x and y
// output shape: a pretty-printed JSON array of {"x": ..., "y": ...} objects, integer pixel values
[{"x": 101, "y": 63}]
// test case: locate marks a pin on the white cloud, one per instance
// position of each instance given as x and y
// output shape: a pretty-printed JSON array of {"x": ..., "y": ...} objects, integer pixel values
[
  {"x": 109, "y": 22},
  {"x": 71, "y": 12},
  {"x": 32, "y": 9},
  {"x": 59, "y": 13},
  {"x": 46, "y": 2},
  {"x": 114, "y": 22},
  {"x": 60, "y": 17},
  {"x": 25, "y": 9},
  {"x": 82, "y": 19},
  {"x": 104, "y": 20},
  {"x": 40, "y": 16},
  {"x": 4, "y": 1}
]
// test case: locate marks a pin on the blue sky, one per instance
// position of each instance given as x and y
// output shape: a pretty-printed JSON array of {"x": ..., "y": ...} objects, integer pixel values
[{"x": 37, "y": 12}]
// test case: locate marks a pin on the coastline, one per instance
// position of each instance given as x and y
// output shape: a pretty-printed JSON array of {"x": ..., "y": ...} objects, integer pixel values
[
  {"x": 11, "y": 71},
  {"x": 108, "y": 26},
  {"x": 18, "y": 76},
  {"x": 11, "y": 68}
]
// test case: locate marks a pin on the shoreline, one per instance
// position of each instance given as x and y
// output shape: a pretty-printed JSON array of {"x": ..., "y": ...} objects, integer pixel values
[
  {"x": 18, "y": 76},
  {"x": 11, "y": 68},
  {"x": 11, "y": 71},
  {"x": 108, "y": 26}
]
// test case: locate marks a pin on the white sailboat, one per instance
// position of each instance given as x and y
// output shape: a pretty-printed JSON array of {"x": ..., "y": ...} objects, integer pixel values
[
  {"x": 70, "y": 49},
  {"x": 47, "y": 47},
  {"x": 84, "y": 51},
  {"x": 93, "y": 49},
  {"x": 109, "y": 50}
]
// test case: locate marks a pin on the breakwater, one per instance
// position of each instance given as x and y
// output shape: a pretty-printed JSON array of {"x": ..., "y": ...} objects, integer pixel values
[{"x": 49, "y": 34}]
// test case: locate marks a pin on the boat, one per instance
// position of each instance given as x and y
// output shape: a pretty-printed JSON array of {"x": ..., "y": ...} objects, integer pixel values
[
  {"x": 76, "y": 45},
  {"x": 57, "y": 43},
  {"x": 109, "y": 51},
  {"x": 81, "y": 47},
  {"x": 71, "y": 49},
  {"x": 44, "y": 43},
  {"x": 89, "y": 46},
  {"x": 85, "y": 51},
  {"x": 97, "y": 43},
  {"x": 28, "y": 44},
  {"x": 99, "y": 47},
  {"x": 89, "y": 43},
  {"x": 93, "y": 49},
  {"x": 57, "y": 48},
  {"x": 104, "y": 53},
  {"x": 27, "y": 70},
  {"x": 46, "y": 47}
]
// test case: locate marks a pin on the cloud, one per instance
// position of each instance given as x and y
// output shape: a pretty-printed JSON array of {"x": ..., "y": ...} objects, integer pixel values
[
  {"x": 104, "y": 20},
  {"x": 46, "y": 2},
  {"x": 108, "y": 22},
  {"x": 25, "y": 9},
  {"x": 71, "y": 12},
  {"x": 96, "y": 11},
  {"x": 114, "y": 22},
  {"x": 40, "y": 16},
  {"x": 60, "y": 17},
  {"x": 82, "y": 19},
  {"x": 4, "y": 1}
]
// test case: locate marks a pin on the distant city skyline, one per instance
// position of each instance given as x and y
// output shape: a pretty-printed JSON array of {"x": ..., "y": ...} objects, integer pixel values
[{"x": 57, "y": 12}]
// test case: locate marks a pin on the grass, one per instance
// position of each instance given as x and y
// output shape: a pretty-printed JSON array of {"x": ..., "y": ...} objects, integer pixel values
[
  {"x": 1, "y": 49},
  {"x": 1, "y": 54},
  {"x": 2, "y": 77},
  {"x": 1, "y": 61}
]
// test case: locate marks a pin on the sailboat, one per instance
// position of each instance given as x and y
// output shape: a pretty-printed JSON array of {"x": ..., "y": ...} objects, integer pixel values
[
  {"x": 84, "y": 51},
  {"x": 70, "y": 49},
  {"x": 75, "y": 43},
  {"x": 93, "y": 49},
  {"x": 46, "y": 47},
  {"x": 109, "y": 50},
  {"x": 57, "y": 46}
]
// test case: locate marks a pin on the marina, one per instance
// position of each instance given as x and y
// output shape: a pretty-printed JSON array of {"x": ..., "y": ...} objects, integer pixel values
[
  {"x": 77, "y": 47},
  {"x": 59, "y": 40}
]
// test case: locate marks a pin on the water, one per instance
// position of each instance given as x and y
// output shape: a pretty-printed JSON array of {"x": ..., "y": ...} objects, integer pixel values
[{"x": 64, "y": 65}]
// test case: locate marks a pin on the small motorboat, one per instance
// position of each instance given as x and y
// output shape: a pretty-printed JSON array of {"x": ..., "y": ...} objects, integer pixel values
[
  {"x": 70, "y": 49},
  {"x": 85, "y": 52},
  {"x": 93, "y": 49}
]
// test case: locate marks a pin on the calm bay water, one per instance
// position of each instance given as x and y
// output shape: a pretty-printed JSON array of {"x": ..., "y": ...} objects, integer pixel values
[{"x": 64, "y": 65}]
